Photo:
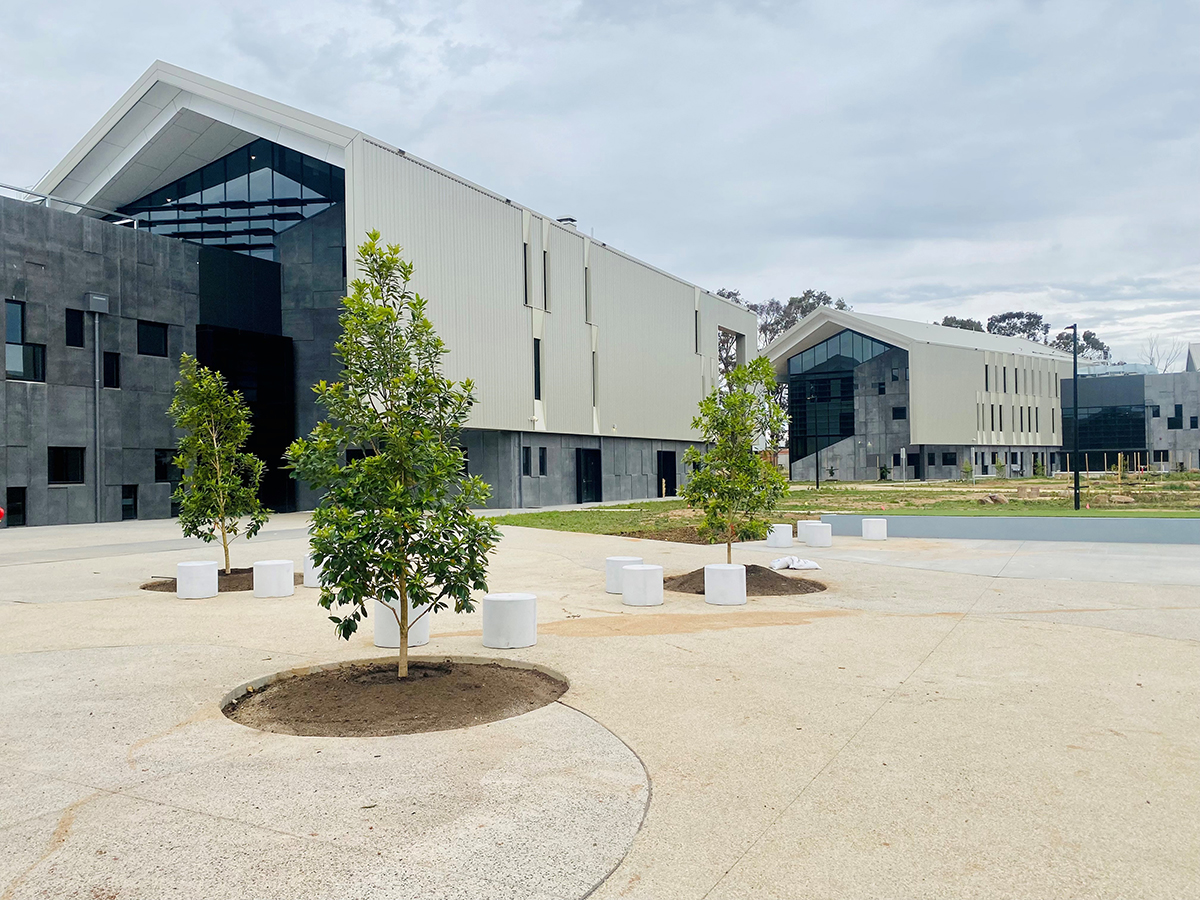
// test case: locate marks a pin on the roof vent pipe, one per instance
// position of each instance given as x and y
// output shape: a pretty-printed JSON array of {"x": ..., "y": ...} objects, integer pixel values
[{"x": 569, "y": 221}]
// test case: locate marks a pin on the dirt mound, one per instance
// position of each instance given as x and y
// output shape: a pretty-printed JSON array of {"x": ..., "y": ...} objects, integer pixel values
[
  {"x": 236, "y": 580},
  {"x": 370, "y": 701},
  {"x": 760, "y": 582}
]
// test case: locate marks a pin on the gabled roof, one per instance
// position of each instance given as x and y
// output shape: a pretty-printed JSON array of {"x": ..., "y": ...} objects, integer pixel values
[
  {"x": 171, "y": 123},
  {"x": 1193, "y": 358},
  {"x": 826, "y": 322}
]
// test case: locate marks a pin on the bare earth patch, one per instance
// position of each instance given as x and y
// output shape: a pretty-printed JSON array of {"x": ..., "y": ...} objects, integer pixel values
[
  {"x": 370, "y": 701},
  {"x": 236, "y": 580},
  {"x": 760, "y": 582}
]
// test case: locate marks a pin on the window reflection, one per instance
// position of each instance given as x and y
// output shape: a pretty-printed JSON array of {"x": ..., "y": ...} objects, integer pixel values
[{"x": 243, "y": 200}]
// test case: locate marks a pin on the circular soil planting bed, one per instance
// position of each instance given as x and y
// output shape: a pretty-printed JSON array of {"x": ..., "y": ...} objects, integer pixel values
[
  {"x": 236, "y": 580},
  {"x": 368, "y": 700},
  {"x": 760, "y": 582}
]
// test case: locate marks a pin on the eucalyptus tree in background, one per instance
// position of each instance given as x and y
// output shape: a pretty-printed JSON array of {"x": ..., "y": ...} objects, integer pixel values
[
  {"x": 395, "y": 522},
  {"x": 733, "y": 482},
  {"x": 220, "y": 480}
]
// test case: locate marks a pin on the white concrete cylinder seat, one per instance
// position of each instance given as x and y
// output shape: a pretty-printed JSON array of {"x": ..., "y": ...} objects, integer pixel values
[
  {"x": 274, "y": 578},
  {"x": 779, "y": 536},
  {"x": 509, "y": 621},
  {"x": 642, "y": 585},
  {"x": 725, "y": 584},
  {"x": 819, "y": 534},
  {"x": 612, "y": 571},
  {"x": 802, "y": 532},
  {"x": 387, "y": 629},
  {"x": 312, "y": 572},
  {"x": 196, "y": 580},
  {"x": 874, "y": 529}
]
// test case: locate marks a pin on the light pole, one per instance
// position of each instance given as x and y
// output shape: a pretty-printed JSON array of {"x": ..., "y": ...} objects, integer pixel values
[
  {"x": 810, "y": 395},
  {"x": 1075, "y": 406}
]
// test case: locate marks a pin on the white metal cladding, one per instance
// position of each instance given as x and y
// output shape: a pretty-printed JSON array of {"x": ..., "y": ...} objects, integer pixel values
[{"x": 467, "y": 246}]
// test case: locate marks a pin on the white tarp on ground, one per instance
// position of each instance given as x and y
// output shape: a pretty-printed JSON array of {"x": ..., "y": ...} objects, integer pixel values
[{"x": 793, "y": 562}]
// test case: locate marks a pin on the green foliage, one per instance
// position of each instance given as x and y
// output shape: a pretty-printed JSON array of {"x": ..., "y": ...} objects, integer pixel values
[
  {"x": 395, "y": 521},
  {"x": 968, "y": 471},
  {"x": 885, "y": 472},
  {"x": 220, "y": 481},
  {"x": 1039, "y": 470},
  {"x": 733, "y": 483}
]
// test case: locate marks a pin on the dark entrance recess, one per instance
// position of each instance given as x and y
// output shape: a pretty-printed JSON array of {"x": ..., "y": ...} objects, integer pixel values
[
  {"x": 15, "y": 506},
  {"x": 587, "y": 475},
  {"x": 261, "y": 367},
  {"x": 666, "y": 473}
]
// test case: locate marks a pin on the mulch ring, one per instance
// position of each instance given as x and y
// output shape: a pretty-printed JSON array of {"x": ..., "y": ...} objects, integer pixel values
[
  {"x": 368, "y": 700},
  {"x": 760, "y": 582},
  {"x": 236, "y": 580}
]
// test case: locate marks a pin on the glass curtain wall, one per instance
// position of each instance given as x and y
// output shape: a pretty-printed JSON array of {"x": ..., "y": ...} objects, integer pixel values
[
  {"x": 1106, "y": 428},
  {"x": 821, "y": 390},
  {"x": 241, "y": 201}
]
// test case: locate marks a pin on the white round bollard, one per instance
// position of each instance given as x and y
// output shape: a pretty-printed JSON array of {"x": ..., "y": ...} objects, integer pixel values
[
  {"x": 509, "y": 621},
  {"x": 725, "y": 584},
  {"x": 642, "y": 586},
  {"x": 274, "y": 578},
  {"x": 196, "y": 580},
  {"x": 874, "y": 529},
  {"x": 819, "y": 534},
  {"x": 387, "y": 629},
  {"x": 779, "y": 536},
  {"x": 312, "y": 572},
  {"x": 612, "y": 571}
]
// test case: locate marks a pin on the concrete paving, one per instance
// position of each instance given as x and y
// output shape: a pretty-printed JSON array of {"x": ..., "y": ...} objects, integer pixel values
[{"x": 911, "y": 732}]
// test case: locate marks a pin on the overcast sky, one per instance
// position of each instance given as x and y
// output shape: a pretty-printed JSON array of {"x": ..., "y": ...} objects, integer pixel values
[{"x": 918, "y": 159}]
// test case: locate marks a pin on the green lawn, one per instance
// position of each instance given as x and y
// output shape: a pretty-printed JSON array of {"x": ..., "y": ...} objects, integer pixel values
[{"x": 1153, "y": 499}]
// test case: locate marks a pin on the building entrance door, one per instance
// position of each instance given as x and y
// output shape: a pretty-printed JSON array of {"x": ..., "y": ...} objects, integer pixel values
[
  {"x": 587, "y": 475},
  {"x": 666, "y": 473}
]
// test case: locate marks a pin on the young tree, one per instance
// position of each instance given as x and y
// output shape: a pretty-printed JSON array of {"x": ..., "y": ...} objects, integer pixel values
[
  {"x": 220, "y": 480},
  {"x": 395, "y": 522},
  {"x": 733, "y": 483}
]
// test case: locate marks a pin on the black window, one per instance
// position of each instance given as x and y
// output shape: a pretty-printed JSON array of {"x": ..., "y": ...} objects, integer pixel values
[
  {"x": 112, "y": 370},
  {"x": 949, "y": 459},
  {"x": 1005, "y": 371},
  {"x": 697, "y": 318},
  {"x": 1155, "y": 412},
  {"x": 525, "y": 269},
  {"x": 152, "y": 339},
  {"x": 899, "y": 412},
  {"x": 165, "y": 470},
  {"x": 14, "y": 507},
  {"x": 882, "y": 387},
  {"x": 22, "y": 361},
  {"x": 545, "y": 279},
  {"x": 1022, "y": 428},
  {"x": 987, "y": 380},
  {"x": 895, "y": 460},
  {"x": 895, "y": 374},
  {"x": 128, "y": 501},
  {"x": 933, "y": 459},
  {"x": 993, "y": 417},
  {"x": 74, "y": 327},
  {"x": 64, "y": 465},
  {"x": 1162, "y": 455},
  {"x": 906, "y": 373},
  {"x": 1194, "y": 422},
  {"x": 1037, "y": 418},
  {"x": 1175, "y": 422},
  {"x": 537, "y": 369},
  {"x": 541, "y": 460},
  {"x": 526, "y": 461}
]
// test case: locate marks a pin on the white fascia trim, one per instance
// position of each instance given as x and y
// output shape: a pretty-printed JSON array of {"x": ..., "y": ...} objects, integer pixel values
[{"x": 221, "y": 102}]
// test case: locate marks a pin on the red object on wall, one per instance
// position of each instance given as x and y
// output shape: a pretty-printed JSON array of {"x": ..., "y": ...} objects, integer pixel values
[{"x": 1, "y": 513}]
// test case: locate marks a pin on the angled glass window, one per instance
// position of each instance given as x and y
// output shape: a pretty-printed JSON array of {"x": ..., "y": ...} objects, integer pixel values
[
  {"x": 844, "y": 350},
  {"x": 241, "y": 201}
]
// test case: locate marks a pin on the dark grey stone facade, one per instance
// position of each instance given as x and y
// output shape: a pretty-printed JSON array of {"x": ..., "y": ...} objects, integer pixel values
[{"x": 50, "y": 260}]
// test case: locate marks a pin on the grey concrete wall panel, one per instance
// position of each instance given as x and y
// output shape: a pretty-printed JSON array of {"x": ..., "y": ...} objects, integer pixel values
[
  {"x": 51, "y": 258},
  {"x": 1116, "y": 530}
]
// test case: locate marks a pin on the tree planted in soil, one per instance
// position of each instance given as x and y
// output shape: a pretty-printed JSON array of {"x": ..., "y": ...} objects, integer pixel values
[
  {"x": 733, "y": 482},
  {"x": 395, "y": 522},
  {"x": 219, "y": 485}
]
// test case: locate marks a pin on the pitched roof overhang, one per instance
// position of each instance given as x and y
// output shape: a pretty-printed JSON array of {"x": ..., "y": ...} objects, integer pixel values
[{"x": 171, "y": 123}]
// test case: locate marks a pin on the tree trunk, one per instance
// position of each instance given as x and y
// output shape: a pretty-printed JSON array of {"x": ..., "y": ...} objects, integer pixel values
[
  {"x": 402, "y": 666},
  {"x": 225, "y": 544}
]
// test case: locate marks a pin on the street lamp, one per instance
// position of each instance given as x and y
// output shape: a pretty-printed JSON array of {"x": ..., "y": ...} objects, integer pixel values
[{"x": 810, "y": 396}]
